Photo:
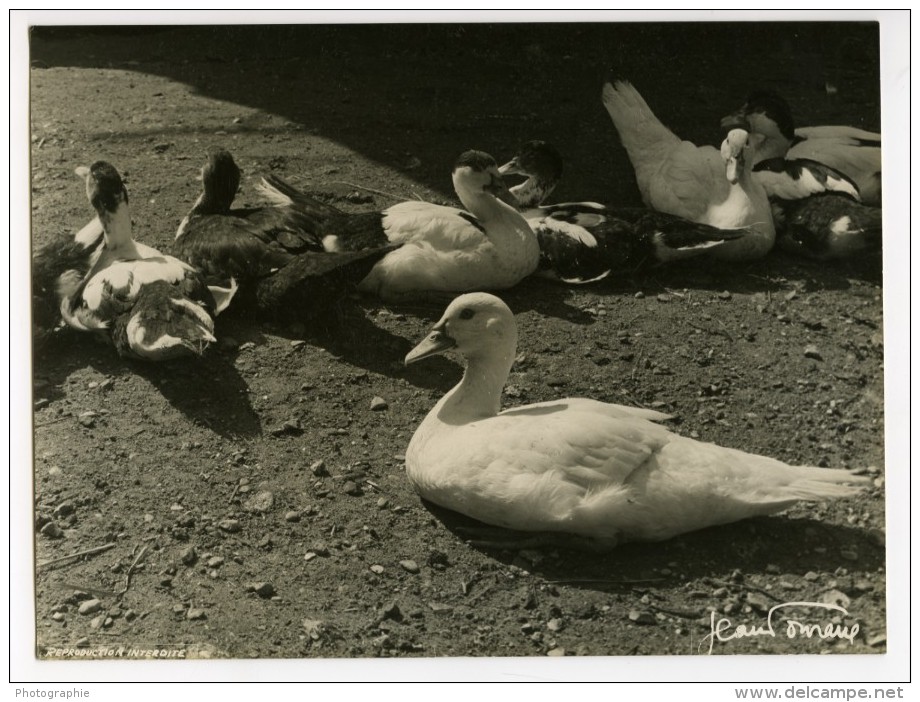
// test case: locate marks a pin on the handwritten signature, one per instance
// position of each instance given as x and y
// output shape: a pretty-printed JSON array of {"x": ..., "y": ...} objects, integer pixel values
[{"x": 723, "y": 630}]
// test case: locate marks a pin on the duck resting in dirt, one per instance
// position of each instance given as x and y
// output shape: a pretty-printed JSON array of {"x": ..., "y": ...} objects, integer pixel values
[
  {"x": 489, "y": 245},
  {"x": 585, "y": 241},
  {"x": 151, "y": 306},
  {"x": 700, "y": 183},
  {"x": 281, "y": 267},
  {"x": 856, "y": 153},
  {"x": 603, "y": 473}
]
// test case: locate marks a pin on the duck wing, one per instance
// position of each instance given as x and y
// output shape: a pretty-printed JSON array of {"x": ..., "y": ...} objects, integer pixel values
[{"x": 224, "y": 246}]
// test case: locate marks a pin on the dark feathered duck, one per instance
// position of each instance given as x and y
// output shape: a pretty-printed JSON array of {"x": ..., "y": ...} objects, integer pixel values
[
  {"x": 585, "y": 241},
  {"x": 152, "y": 306},
  {"x": 270, "y": 250},
  {"x": 488, "y": 245},
  {"x": 856, "y": 153}
]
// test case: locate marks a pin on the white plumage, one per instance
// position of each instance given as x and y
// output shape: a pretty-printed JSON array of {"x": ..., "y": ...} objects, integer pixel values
[
  {"x": 702, "y": 184},
  {"x": 575, "y": 465}
]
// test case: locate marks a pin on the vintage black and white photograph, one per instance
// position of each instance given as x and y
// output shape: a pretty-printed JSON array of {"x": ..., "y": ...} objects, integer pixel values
[{"x": 461, "y": 339}]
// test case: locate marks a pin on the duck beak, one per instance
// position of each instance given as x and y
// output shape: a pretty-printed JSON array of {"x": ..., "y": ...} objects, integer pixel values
[
  {"x": 436, "y": 342},
  {"x": 511, "y": 168},
  {"x": 498, "y": 188},
  {"x": 731, "y": 170}
]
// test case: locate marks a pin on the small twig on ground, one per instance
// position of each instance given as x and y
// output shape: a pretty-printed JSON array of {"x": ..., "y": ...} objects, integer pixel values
[
  {"x": 370, "y": 190},
  {"x": 87, "y": 552},
  {"x": 98, "y": 592},
  {"x": 481, "y": 593},
  {"x": 53, "y": 421},
  {"x": 233, "y": 494},
  {"x": 131, "y": 570}
]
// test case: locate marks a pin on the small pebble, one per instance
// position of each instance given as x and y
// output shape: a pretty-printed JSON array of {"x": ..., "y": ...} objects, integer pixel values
[
  {"x": 642, "y": 617},
  {"x": 178, "y": 609},
  {"x": 410, "y": 566},
  {"x": 298, "y": 344},
  {"x": 318, "y": 468},
  {"x": 811, "y": 576},
  {"x": 555, "y": 624},
  {"x": 188, "y": 556},
  {"x": 849, "y": 555},
  {"x": 215, "y": 562},
  {"x": 130, "y": 615},
  {"x": 383, "y": 503},
  {"x": 58, "y": 617},
  {"x": 194, "y": 614},
  {"x": 97, "y": 622},
  {"x": 90, "y": 606},
  {"x": 377, "y": 568},
  {"x": 639, "y": 295},
  {"x": 811, "y": 351},
  {"x": 391, "y": 611},
  {"x": 725, "y": 295},
  {"x": 262, "y": 589},
  {"x": 309, "y": 556},
  {"x": 556, "y": 652},
  {"x": 292, "y": 516},
  {"x": 52, "y": 531},
  {"x": 260, "y": 503},
  {"x": 350, "y": 487},
  {"x": 64, "y": 509},
  {"x": 230, "y": 525},
  {"x": 378, "y": 404}
]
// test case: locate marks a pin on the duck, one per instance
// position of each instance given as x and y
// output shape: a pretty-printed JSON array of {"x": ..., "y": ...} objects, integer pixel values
[
  {"x": 817, "y": 211},
  {"x": 703, "y": 184},
  {"x": 603, "y": 473},
  {"x": 582, "y": 242},
  {"x": 857, "y": 153},
  {"x": 487, "y": 245},
  {"x": 827, "y": 227},
  {"x": 151, "y": 306},
  {"x": 271, "y": 251}
]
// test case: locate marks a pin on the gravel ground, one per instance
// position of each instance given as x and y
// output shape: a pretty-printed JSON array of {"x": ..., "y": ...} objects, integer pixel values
[{"x": 253, "y": 504}]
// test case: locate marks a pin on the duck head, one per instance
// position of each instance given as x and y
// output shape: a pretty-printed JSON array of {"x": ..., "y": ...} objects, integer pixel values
[
  {"x": 736, "y": 152},
  {"x": 475, "y": 324},
  {"x": 220, "y": 179},
  {"x": 104, "y": 188},
  {"x": 475, "y": 173},
  {"x": 541, "y": 163}
]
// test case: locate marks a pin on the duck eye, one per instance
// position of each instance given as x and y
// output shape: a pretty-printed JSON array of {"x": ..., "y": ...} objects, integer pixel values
[{"x": 467, "y": 313}]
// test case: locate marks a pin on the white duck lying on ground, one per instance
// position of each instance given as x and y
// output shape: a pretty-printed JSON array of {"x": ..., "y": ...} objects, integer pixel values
[
  {"x": 703, "y": 184},
  {"x": 445, "y": 249},
  {"x": 856, "y": 153},
  {"x": 152, "y": 306},
  {"x": 817, "y": 210},
  {"x": 282, "y": 270},
  {"x": 585, "y": 241},
  {"x": 596, "y": 470}
]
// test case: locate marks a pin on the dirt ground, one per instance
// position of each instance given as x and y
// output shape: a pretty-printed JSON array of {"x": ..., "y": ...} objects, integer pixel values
[{"x": 254, "y": 505}]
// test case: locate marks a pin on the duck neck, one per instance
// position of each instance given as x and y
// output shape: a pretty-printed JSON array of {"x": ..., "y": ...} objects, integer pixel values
[
  {"x": 207, "y": 203},
  {"x": 533, "y": 191},
  {"x": 479, "y": 394},
  {"x": 505, "y": 227},
  {"x": 117, "y": 228}
]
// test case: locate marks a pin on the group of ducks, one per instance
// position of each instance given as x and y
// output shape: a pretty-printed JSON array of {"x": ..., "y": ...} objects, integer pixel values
[{"x": 598, "y": 471}]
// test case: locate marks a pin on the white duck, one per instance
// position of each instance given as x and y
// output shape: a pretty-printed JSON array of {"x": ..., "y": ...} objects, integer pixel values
[
  {"x": 153, "y": 306},
  {"x": 856, "y": 153},
  {"x": 703, "y": 184},
  {"x": 445, "y": 249},
  {"x": 581, "y": 242},
  {"x": 596, "y": 470}
]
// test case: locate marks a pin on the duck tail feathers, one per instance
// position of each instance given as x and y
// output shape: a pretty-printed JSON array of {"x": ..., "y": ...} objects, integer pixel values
[
  {"x": 641, "y": 132},
  {"x": 286, "y": 195}
]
